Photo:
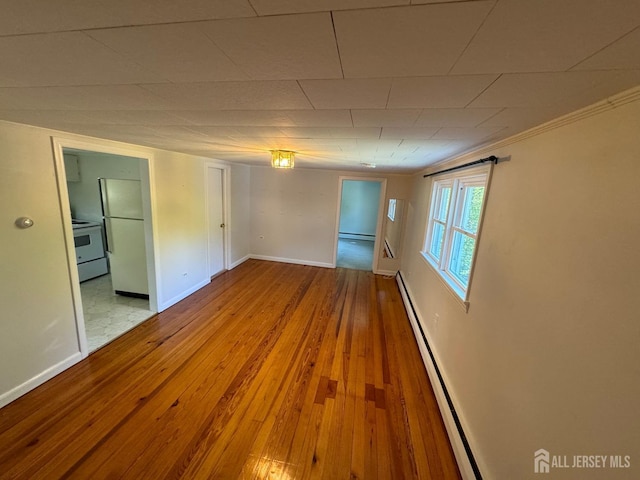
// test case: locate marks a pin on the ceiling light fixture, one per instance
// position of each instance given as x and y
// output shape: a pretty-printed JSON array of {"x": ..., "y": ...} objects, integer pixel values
[
  {"x": 282, "y": 158},
  {"x": 368, "y": 165}
]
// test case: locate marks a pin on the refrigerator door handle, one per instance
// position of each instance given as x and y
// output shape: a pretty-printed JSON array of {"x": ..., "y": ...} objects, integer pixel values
[
  {"x": 108, "y": 235},
  {"x": 104, "y": 204}
]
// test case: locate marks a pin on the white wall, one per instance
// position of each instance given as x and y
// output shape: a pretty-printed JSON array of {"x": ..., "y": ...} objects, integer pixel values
[
  {"x": 296, "y": 213},
  {"x": 84, "y": 195},
  {"x": 548, "y": 354},
  {"x": 240, "y": 223},
  {"x": 181, "y": 230},
  {"x": 37, "y": 326},
  {"x": 359, "y": 207},
  {"x": 38, "y": 333}
]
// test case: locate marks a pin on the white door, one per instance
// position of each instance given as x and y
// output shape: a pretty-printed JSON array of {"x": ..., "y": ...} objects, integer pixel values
[{"x": 216, "y": 220}]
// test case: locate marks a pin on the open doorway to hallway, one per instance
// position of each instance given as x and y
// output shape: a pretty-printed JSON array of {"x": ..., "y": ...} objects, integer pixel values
[{"x": 358, "y": 223}]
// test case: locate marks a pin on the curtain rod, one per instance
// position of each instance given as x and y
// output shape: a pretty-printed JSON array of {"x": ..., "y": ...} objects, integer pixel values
[{"x": 492, "y": 158}]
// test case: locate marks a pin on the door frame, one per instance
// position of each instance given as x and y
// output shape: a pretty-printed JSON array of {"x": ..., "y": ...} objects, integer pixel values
[
  {"x": 381, "y": 215},
  {"x": 150, "y": 228},
  {"x": 226, "y": 216}
]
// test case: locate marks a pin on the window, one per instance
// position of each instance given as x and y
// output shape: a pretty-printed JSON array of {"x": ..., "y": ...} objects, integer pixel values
[
  {"x": 457, "y": 202},
  {"x": 391, "y": 212}
]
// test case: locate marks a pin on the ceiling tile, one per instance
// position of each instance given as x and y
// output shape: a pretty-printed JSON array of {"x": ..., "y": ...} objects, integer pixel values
[
  {"x": 623, "y": 54},
  {"x": 545, "y": 35},
  {"x": 461, "y": 133},
  {"x": 566, "y": 90},
  {"x": 437, "y": 92},
  {"x": 256, "y": 95},
  {"x": 277, "y": 118},
  {"x": 375, "y": 146},
  {"x": 324, "y": 142},
  {"x": 426, "y": 146},
  {"x": 347, "y": 93},
  {"x": 179, "y": 52},
  {"x": 385, "y": 118},
  {"x": 346, "y": 132},
  {"x": 35, "y": 16},
  {"x": 133, "y": 117},
  {"x": 60, "y": 59},
  {"x": 92, "y": 117},
  {"x": 421, "y": 133},
  {"x": 251, "y": 132},
  {"x": 261, "y": 145},
  {"x": 454, "y": 117},
  {"x": 278, "y": 7},
  {"x": 423, "y": 2},
  {"x": 178, "y": 132},
  {"x": 105, "y": 97},
  {"x": 406, "y": 41},
  {"x": 279, "y": 48},
  {"x": 319, "y": 118},
  {"x": 169, "y": 11},
  {"x": 522, "y": 118}
]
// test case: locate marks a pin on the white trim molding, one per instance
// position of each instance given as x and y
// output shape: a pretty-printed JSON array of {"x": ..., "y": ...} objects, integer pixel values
[
  {"x": 183, "y": 295},
  {"x": 39, "y": 379},
  {"x": 239, "y": 262},
  {"x": 295, "y": 261}
]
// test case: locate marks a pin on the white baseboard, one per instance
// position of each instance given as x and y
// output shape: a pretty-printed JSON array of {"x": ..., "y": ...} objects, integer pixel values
[
  {"x": 457, "y": 442},
  {"x": 293, "y": 260},
  {"x": 388, "y": 273},
  {"x": 181, "y": 296},
  {"x": 39, "y": 379},
  {"x": 238, "y": 262}
]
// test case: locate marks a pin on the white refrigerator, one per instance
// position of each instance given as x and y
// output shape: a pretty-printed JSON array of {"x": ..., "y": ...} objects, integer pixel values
[{"x": 124, "y": 229}]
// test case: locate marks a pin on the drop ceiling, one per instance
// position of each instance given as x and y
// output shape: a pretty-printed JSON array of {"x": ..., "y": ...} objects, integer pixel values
[{"x": 396, "y": 83}]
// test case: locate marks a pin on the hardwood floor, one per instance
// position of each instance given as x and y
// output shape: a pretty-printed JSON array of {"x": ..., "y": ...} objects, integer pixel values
[{"x": 272, "y": 371}]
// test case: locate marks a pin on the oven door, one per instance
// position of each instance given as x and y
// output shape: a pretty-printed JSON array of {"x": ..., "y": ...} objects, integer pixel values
[{"x": 88, "y": 243}]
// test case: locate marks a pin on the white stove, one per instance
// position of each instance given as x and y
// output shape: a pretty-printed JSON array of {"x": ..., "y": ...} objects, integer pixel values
[
  {"x": 75, "y": 224},
  {"x": 90, "y": 254}
]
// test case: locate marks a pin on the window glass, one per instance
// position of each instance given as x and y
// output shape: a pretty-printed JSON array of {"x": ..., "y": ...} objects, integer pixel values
[
  {"x": 471, "y": 208},
  {"x": 436, "y": 240},
  {"x": 461, "y": 257},
  {"x": 443, "y": 203}
]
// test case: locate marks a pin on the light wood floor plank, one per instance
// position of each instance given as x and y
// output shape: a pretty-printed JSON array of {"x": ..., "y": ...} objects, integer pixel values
[{"x": 272, "y": 371}]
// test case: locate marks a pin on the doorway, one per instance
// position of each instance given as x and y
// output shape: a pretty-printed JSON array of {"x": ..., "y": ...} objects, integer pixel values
[
  {"x": 217, "y": 175},
  {"x": 359, "y": 223},
  {"x": 106, "y": 204}
]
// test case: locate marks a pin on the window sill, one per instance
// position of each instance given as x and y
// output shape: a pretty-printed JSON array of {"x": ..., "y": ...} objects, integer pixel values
[{"x": 455, "y": 292}]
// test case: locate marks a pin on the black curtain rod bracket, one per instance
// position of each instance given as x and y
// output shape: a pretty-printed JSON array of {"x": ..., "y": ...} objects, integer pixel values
[{"x": 492, "y": 158}]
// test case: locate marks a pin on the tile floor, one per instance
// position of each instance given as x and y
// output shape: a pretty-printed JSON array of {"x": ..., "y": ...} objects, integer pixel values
[
  {"x": 107, "y": 315},
  {"x": 356, "y": 254}
]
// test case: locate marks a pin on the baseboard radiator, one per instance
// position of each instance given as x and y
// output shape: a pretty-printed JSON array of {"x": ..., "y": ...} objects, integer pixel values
[
  {"x": 388, "y": 249},
  {"x": 357, "y": 236},
  {"x": 466, "y": 461}
]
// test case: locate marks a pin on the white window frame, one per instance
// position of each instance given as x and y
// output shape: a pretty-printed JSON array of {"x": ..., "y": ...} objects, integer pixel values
[
  {"x": 457, "y": 181},
  {"x": 391, "y": 211}
]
